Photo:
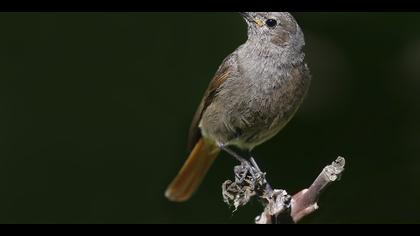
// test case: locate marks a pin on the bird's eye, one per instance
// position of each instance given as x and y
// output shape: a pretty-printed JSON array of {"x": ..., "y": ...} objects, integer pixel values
[{"x": 271, "y": 23}]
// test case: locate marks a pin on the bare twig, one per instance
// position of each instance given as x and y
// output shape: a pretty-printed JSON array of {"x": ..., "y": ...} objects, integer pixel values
[
  {"x": 305, "y": 202},
  {"x": 279, "y": 206}
]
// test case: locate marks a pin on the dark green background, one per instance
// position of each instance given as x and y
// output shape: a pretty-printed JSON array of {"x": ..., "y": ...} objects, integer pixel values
[{"x": 95, "y": 110}]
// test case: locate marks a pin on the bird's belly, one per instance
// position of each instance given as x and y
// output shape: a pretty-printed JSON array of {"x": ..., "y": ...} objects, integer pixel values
[
  {"x": 248, "y": 122},
  {"x": 261, "y": 123}
]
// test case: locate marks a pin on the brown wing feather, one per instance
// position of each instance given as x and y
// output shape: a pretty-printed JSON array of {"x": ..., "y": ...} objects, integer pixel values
[{"x": 224, "y": 72}]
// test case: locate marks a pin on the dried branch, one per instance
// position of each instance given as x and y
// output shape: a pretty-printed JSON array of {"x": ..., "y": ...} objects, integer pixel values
[{"x": 279, "y": 206}]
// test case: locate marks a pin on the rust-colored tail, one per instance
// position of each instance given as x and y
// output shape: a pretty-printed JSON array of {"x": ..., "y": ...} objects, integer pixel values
[{"x": 193, "y": 171}]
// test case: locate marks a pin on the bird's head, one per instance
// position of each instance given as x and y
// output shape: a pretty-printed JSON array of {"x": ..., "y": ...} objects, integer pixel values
[{"x": 278, "y": 28}]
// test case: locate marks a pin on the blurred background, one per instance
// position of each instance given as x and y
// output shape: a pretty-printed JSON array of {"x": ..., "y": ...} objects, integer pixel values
[{"x": 95, "y": 110}]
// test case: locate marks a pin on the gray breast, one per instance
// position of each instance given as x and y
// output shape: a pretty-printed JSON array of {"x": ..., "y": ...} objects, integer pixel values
[
  {"x": 253, "y": 106},
  {"x": 270, "y": 102}
]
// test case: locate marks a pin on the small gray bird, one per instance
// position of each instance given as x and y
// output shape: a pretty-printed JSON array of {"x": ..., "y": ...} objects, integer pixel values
[{"x": 254, "y": 93}]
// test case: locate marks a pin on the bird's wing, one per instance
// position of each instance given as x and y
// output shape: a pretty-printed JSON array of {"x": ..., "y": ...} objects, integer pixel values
[{"x": 226, "y": 70}]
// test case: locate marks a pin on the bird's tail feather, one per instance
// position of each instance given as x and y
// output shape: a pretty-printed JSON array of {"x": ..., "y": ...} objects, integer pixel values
[{"x": 193, "y": 171}]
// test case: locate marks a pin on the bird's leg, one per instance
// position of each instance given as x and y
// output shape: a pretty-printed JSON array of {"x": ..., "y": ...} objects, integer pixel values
[
  {"x": 257, "y": 168},
  {"x": 233, "y": 153},
  {"x": 242, "y": 170},
  {"x": 254, "y": 164}
]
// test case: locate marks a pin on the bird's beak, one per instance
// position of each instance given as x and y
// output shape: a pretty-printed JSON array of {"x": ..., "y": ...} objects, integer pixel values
[{"x": 249, "y": 18}]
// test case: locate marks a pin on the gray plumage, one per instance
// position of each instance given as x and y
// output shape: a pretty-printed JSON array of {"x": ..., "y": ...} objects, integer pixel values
[
  {"x": 255, "y": 92},
  {"x": 258, "y": 88}
]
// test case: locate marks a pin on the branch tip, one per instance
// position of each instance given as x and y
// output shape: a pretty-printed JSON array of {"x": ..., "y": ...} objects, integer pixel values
[{"x": 279, "y": 206}]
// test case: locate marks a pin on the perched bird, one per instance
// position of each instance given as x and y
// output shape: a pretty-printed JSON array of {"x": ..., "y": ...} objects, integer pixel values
[{"x": 254, "y": 93}]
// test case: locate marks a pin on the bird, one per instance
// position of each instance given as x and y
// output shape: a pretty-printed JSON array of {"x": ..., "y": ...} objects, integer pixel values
[{"x": 254, "y": 93}]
